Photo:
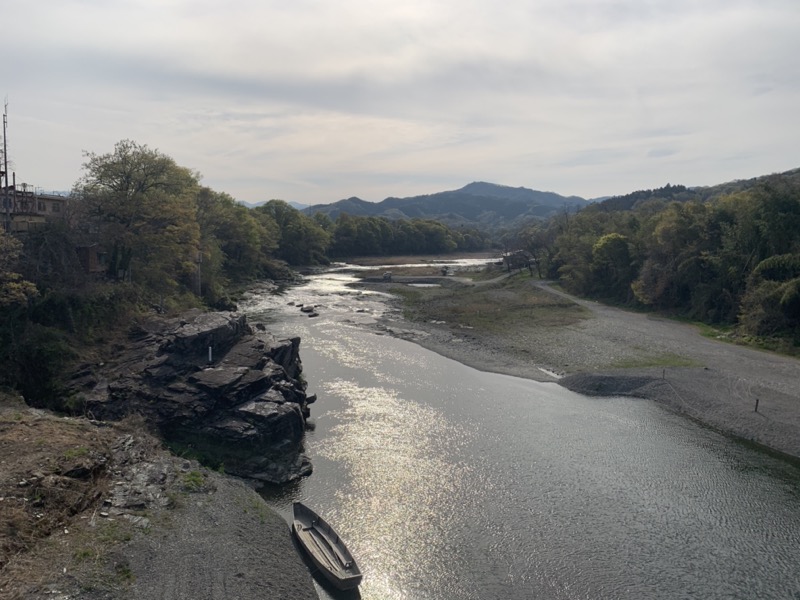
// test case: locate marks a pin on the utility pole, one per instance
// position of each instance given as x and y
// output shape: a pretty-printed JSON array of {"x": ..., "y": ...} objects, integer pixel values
[{"x": 4, "y": 174}]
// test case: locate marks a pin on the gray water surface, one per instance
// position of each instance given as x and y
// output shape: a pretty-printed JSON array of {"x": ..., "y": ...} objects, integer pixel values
[{"x": 450, "y": 483}]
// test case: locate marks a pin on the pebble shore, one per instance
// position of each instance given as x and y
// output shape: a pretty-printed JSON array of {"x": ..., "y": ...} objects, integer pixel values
[{"x": 740, "y": 391}]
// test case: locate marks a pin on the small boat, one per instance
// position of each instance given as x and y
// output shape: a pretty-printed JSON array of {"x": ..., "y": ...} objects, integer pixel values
[{"x": 325, "y": 548}]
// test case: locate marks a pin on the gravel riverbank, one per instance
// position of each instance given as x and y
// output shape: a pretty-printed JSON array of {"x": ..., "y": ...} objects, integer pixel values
[
  {"x": 224, "y": 543},
  {"x": 616, "y": 352},
  {"x": 167, "y": 528}
]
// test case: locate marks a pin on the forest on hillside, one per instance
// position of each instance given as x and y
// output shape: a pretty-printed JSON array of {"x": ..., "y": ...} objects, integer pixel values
[
  {"x": 731, "y": 259},
  {"x": 727, "y": 256}
]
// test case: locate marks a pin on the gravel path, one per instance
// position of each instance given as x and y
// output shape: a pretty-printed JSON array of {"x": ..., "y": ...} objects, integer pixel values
[
  {"x": 608, "y": 353},
  {"x": 225, "y": 544}
]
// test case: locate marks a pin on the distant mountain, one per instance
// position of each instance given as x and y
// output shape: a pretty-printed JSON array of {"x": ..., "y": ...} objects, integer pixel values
[
  {"x": 251, "y": 204},
  {"x": 481, "y": 204},
  {"x": 295, "y": 205}
]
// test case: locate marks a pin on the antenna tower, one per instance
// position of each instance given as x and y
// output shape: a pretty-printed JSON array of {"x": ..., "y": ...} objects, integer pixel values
[{"x": 4, "y": 172}]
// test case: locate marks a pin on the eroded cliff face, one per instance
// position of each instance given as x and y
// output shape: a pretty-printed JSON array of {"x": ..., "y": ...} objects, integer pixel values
[{"x": 213, "y": 384}]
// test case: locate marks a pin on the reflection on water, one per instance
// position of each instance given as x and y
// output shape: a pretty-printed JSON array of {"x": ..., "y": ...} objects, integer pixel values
[
  {"x": 449, "y": 483},
  {"x": 393, "y": 450}
]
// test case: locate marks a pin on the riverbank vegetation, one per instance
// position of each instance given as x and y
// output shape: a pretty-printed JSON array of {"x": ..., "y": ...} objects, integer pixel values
[
  {"x": 731, "y": 260},
  {"x": 143, "y": 234}
]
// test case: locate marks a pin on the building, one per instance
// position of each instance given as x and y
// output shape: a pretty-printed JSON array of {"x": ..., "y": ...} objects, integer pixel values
[
  {"x": 93, "y": 259},
  {"x": 24, "y": 209}
]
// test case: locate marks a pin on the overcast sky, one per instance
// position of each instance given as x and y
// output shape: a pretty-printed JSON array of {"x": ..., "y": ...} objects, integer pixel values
[{"x": 314, "y": 101}]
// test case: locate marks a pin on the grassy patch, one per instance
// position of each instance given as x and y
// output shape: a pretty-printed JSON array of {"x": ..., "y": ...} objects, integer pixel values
[
  {"x": 193, "y": 481},
  {"x": 114, "y": 532},
  {"x": 257, "y": 507},
  {"x": 399, "y": 271},
  {"x": 53, "y": 525},
  {"x": 661, "y": 360},
  {"x": 729, "y": 334},
  {"x": 779, "y": 345},
  {"x": 496, "y": 307},
  {"x": 368, "y": 261},
  {"x": 74, "y": 453},
  {"x": 123, "y": 571},
  {"x": 84, "y": 554},
  {"x": 487, "y": 273}
]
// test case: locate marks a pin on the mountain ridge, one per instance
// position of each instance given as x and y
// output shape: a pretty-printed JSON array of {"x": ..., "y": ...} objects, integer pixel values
[
  {"x": 478, "y": 203},
  {"x": 494, "y": 206}
]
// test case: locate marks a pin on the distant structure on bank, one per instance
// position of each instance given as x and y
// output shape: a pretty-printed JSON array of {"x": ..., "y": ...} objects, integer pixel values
[{"x": 25, "y": 209}]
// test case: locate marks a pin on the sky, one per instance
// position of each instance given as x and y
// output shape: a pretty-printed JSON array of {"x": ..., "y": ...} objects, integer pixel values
[{"x": 313, "y": 101}]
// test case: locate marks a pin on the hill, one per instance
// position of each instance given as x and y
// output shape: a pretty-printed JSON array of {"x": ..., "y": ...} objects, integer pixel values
[
  {"x": 487, "y": 205},
  {"x": 293, "y": 204},
  {"x": 682, "y": 193}
]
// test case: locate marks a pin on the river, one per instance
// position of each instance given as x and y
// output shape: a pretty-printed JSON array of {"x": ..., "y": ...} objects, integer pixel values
[{"x": 450, "y": 483}]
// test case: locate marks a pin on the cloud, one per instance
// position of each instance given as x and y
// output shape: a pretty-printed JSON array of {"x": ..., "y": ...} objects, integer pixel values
[{"x": 314, "y": 101}]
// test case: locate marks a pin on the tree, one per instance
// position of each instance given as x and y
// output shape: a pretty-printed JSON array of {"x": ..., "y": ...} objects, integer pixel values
[
  {"x": 344, "y": 240},
  {"x": 436, "y": 237},
  {"x": 613, "y": 266},
  {"x": 778, "y": 200},
  {"x": 49, "y": 258},
  {"x": 142, "y": 206},
  {"x": 235, "y": 243},
  {"x": 539, "y": 241},
  {"x": 302, "y": 241},
  {"x": 673, "y": 267},
  {"x": 14, "y": 289},
  {"x": 771, "y": 304}
]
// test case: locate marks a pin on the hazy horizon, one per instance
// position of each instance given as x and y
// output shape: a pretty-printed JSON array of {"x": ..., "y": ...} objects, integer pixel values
[{"x": 314, "y": 102}]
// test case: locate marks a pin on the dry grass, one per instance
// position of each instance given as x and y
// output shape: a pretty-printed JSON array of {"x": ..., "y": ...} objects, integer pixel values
[
  {"x": 51, "y": 471},
  {"x": 427, "y": 271},
  {"x": 367, "y": 261},
  {"x": 498, "y": 307}
]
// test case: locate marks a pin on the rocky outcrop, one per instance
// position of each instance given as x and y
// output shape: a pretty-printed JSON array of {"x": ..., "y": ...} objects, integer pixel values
[{"x": 213, "y": 386}]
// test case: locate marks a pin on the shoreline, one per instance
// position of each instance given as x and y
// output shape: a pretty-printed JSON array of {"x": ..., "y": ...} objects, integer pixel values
[{"x": 741, "y": 392}]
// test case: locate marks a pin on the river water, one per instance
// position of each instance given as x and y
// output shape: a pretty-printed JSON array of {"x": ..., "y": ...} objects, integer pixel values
[{"x": 451, "y": 483}]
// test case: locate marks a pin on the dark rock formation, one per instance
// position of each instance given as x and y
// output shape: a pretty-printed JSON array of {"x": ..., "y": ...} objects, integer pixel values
[{"x": 212, "y": 385}]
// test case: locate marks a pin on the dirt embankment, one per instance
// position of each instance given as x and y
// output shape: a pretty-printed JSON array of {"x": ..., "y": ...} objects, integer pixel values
[
  {"x": 103, "y": 512},
  {"x": 523, "y": 327}
]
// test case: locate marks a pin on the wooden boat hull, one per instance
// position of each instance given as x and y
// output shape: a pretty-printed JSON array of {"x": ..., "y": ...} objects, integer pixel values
[{"x": 325, "y": 548}]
